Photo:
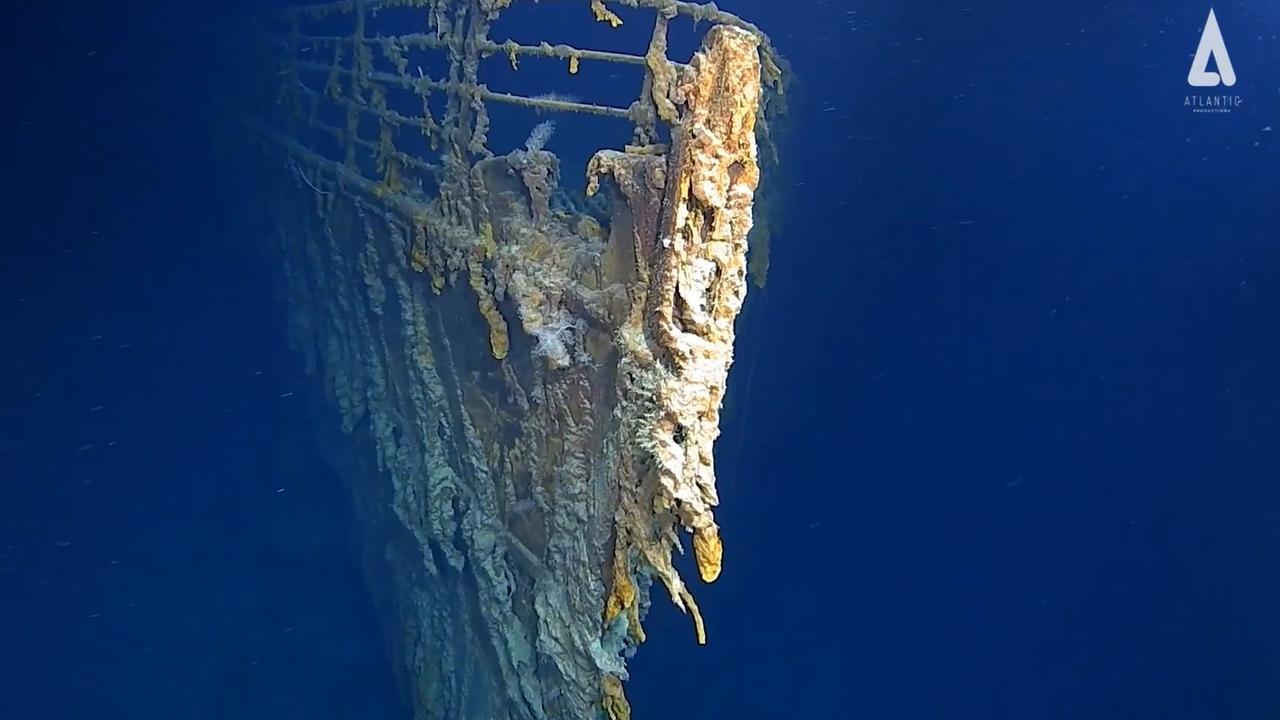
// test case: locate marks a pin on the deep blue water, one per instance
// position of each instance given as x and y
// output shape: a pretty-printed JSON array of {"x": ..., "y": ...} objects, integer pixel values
[{"x": 1004, "y": 434}]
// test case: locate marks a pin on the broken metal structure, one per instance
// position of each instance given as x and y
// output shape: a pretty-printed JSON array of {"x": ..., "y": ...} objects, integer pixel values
[{"x": 530, "y": 379}]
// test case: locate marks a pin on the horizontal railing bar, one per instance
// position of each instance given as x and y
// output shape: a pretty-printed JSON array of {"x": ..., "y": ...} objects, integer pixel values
[
  {"x": 402, "y": 203},
  {"x": 556, "y": 105},
  {"x": 390, "y": 116},
  {"x": 405, "y": 158},
  {"x": 418, "y": 84},
  {"x": 320, "y": 9},
  {"x": 693, "y": 10},
  {"x": 409, "y": 83},
  {"x": 560, "y": 51}
]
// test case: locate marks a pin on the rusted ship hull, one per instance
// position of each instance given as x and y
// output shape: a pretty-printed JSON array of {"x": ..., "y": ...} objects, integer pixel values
[{"x": 529, "y": 386}]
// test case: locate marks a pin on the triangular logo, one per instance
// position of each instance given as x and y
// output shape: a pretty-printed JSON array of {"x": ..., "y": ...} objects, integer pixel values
[{"x": 1211, "y": 44}]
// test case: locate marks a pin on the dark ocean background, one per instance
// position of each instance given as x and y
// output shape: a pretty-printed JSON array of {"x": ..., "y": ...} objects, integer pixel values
[{"x": 1002, "y": 441}]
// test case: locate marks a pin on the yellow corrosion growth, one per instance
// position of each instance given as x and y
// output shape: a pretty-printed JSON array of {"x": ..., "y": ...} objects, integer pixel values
[
  {"x": 623, "y": 599},
  {"x": 604, "y": 14},
  {"x": 698, "y": 628},
  {"x": 418, "y": 259},
  {"x": 498, "y": 340},
  {"x": 573, "y": 64},
  {"x": 612, "y": 698},
  {"x": 511, "y": 47},
  {"x": 708, "y": 548},
  {"x": 488, "y": 245},
  {"x": 661, "y": 72}
]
